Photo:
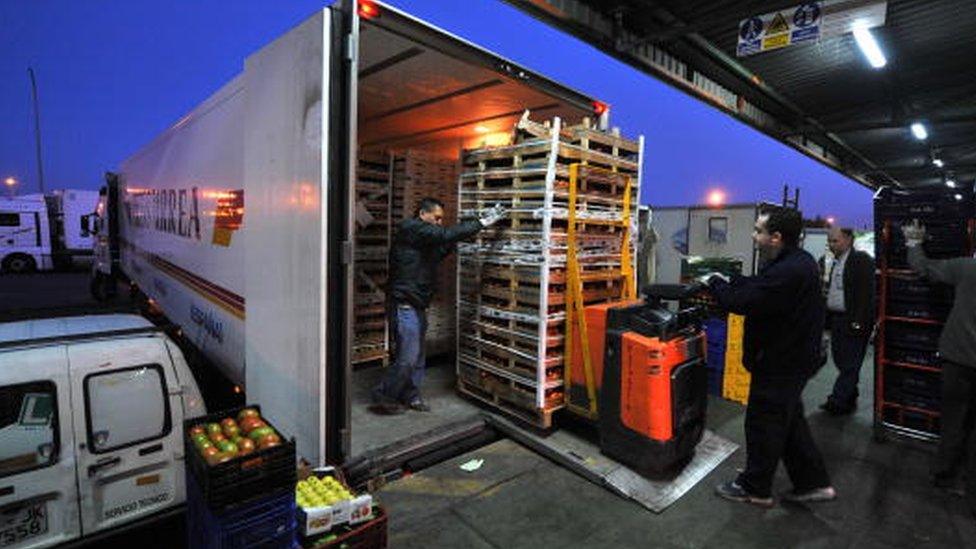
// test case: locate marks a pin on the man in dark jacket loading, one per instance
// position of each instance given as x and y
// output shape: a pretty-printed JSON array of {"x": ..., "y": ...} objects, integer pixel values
[
  {"x": 957, "y": 346},
  {"x": 784, "y": 311},
  {"x": 850, "y": 316},
  {"x": 420, "y": 243}
]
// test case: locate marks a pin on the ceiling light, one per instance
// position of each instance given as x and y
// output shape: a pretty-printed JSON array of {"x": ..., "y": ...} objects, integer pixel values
[
  {"x": 958, "y": 196},
  {"x": 950, "y": 183},
  {"x": 938, "y": 162},
  {"x": 481, "y": 129},
  {"x": 919, "y": 131},
  {"x": 869, "y": 47}
]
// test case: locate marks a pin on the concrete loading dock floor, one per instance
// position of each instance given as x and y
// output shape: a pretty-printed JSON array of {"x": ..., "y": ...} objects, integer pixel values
[{"x": 520, "y": 499}]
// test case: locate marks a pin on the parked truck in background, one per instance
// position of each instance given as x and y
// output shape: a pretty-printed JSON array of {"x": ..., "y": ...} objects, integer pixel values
[{"x": 40, "y": 232}]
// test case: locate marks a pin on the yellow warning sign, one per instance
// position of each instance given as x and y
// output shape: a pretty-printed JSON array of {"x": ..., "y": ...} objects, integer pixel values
[
  {"x": 777, "y": 41},
  {"x": 778, "y": 25}
]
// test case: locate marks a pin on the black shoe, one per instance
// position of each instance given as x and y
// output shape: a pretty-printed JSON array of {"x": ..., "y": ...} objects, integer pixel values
[
  {"x": 419, "y": 405},
  {"x": 387, "y": 408},
  {"x": 835, "y": 409},
  {"x": 732, "y": 491}
]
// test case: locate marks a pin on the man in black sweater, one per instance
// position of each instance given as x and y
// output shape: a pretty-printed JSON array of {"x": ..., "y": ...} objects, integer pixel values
[
  {"x": 420, "y": 243},
  {"x": 784, "y": 311},
  {"x": 850, "y": 316}
]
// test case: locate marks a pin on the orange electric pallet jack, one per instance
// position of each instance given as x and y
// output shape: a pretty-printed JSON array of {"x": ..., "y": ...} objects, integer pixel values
[{"x": 647, "y": 372}]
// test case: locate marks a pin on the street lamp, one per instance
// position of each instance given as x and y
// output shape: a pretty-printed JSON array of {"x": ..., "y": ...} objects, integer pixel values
[{"x": 10, "y": 182}]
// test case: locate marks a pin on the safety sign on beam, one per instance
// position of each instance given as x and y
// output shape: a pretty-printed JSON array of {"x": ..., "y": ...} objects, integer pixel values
[
  {"x": 808, "y": 22},
  {"x": 780, "y": 29}
]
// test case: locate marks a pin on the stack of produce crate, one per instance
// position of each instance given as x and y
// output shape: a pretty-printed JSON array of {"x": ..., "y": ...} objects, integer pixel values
[
  {"x": 373, "y": 203},
  {"x": 513, "y": 277},
  {"x": 240, "y": 479},
  {"x": 418, "y": 174},
  {"x": 912, "y": 310}
]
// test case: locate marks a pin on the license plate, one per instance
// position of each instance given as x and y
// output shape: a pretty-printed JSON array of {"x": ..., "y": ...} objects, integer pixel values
[{"x": 24, "y": 522}]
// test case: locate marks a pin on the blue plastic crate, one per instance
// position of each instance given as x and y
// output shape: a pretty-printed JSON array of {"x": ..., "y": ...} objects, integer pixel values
[{"x": 267, "y": 522}]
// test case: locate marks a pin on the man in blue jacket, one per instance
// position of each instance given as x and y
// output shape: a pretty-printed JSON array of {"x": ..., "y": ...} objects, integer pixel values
[
  {"x": 784, "y": 311},
  {"x": 420, "y": 243}
]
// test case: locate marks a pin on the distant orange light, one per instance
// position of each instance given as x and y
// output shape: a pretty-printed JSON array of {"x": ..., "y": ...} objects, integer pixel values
[
  {"x": 10, "y": 182},
  {"x": 599, "y": 108},
  {"x": 716, "y": 197},
  {"x": 368, "y": 10}
]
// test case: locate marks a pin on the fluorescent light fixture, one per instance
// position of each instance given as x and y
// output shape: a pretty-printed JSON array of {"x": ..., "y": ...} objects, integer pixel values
[
  {"x": 919, "y": 131},
  {"x": 950, "y": 183},
  {"x": 869, "y": 47},
  {"x": 938, "y": 162},
  {"x": 958, "y": 196}
]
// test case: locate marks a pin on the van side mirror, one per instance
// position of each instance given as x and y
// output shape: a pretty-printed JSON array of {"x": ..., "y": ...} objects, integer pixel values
[
  {"x": 45, "y": 451},
  {"x": 85, "y": 225}
]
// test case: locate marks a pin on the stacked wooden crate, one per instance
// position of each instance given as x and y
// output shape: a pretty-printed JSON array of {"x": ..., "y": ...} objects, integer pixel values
[
  {"x": 373, "y": 202},
  {"x": 418, "y": 174},
  {"x": 513, "y": 277}
]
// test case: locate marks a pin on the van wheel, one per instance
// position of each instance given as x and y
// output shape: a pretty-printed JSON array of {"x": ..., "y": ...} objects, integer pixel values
[
  {"x": 103, "y": 288},
  {"x": 19, "y": 263}
]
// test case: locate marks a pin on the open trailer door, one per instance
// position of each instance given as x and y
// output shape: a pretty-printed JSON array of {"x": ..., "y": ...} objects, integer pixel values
[{"x": 299, "y": 129}]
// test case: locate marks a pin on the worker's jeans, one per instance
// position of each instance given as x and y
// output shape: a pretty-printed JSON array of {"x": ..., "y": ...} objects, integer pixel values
[
  {"x": 957, "y": 446},
  {"x": 777, "y": 429},
  {"x": 848, "y": 351},
  {"x": 402, "y": 380}
]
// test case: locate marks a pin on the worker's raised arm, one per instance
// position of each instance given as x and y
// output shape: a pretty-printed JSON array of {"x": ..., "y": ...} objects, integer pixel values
[
  {"x": 768, "y": 294},
  {"x": 947, "y": 271},
  {"x": 430, "y": 235}
]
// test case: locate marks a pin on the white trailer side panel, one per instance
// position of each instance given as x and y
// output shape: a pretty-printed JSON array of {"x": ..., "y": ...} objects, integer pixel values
[
  {"x": 723, "y": 232},
  {"x": 671, "y": 228},
  {"x": 286, "y": 185},
  {"x": 182, "y": 241},
  {"x": 74, "y": 204}
]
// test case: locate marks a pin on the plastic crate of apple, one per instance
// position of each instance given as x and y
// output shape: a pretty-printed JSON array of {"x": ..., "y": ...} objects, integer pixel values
[{"x": 224, "y": 441}]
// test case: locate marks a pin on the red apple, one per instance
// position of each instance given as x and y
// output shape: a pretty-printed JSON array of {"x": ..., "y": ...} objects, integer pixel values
[
  {"x": 251, "y": 423},
  {"x": 269, "y": 440},
  {"x": 209, "y": 451},
  {"x": 246, "y": 413},
  {"x": 197, "y": 430},
  {"x": 217, "y": 437},
  {"x": 246, "y": 446}
]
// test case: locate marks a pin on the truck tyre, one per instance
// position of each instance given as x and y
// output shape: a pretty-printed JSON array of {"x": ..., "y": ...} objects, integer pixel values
[
  {"x": 103, "y": 288},
  {"x": 19, "y": 263}
]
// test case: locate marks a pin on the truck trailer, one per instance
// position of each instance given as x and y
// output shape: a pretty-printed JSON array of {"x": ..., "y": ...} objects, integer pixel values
[
  {"x": 40, "y": 232},
  {"x": 239, "y": 220}
]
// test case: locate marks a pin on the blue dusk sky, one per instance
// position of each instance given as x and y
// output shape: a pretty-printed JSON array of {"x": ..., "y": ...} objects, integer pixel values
[{"x": 112, "y": 74}]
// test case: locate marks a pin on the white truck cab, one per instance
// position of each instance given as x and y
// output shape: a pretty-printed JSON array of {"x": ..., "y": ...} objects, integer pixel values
[
  {"x": 91, "y": 426},
  {"x": 25, "y": 243}
]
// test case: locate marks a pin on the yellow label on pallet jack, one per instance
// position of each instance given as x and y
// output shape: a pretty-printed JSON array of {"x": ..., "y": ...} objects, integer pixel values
[{"x": 735, "y": 380}]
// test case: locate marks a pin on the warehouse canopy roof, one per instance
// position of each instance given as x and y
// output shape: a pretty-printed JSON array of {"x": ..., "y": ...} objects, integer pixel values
[{"x": 821, "y": 94}]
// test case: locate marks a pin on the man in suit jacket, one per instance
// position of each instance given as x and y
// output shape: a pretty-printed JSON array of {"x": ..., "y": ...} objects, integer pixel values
[{"x": 850, "y": 316}]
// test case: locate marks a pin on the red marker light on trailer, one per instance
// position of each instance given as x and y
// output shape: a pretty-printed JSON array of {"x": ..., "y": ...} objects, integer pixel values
[
  {"x": 599, "y": 108},
  {"x": 368, "y": 10}
]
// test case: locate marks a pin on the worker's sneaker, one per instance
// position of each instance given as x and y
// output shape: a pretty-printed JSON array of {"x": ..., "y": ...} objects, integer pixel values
[
  {"x": 732, "y": 491},
  {"x": 827, "y": 493},
  {"x": 835, "y": 409},
  {"x": 387, "y": 408},
  {"x": 419, "y": 405}
]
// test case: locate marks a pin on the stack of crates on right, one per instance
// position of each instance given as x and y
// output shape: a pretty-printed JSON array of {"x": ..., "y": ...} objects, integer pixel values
[{"x": 911, "y": 309}]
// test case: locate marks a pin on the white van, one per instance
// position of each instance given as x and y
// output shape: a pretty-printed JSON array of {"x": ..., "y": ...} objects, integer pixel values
[{"x": 91, "y": 426}]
